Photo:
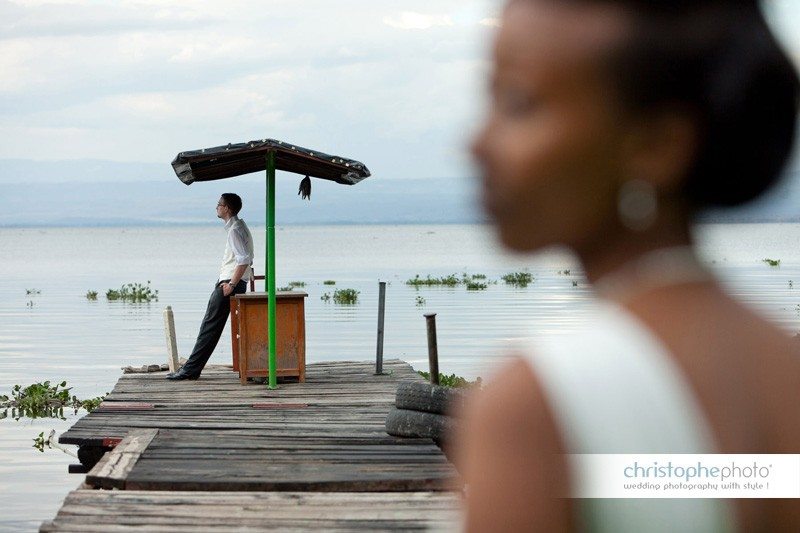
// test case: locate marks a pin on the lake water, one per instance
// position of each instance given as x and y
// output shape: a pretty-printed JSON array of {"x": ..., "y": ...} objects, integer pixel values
[{"x": 58, "y": 334}]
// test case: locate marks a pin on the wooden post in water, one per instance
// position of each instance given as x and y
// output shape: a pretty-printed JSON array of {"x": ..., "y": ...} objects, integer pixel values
[
  {"x": 172, "y": 345},
  {"x": 433, "y": 350},
  {"x": 381, "y": 311}
]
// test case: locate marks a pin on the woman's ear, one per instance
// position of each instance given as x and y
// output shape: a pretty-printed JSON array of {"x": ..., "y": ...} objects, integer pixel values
[{"x": 661, "y": 149}]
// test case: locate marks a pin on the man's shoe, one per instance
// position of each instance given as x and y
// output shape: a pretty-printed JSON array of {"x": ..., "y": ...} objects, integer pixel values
[{"x": 180, "y": 375}]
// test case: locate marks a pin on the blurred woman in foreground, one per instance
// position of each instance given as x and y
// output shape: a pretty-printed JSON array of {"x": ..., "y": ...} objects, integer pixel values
[{"x": 611, "y": 124}]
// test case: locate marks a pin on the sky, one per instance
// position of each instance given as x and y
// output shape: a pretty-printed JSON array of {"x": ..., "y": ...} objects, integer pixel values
[
  {"x": 394, "y": 84},
  {"x": 398, "y": 85}
]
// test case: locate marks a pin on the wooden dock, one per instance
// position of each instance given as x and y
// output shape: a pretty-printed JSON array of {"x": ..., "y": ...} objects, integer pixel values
[
  {"x": 87, "y": 511},
  {"x": 216, "y": 455}
]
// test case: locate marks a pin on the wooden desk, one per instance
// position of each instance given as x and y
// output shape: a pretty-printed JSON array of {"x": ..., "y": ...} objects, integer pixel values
[{"x": 250, "y": 339}]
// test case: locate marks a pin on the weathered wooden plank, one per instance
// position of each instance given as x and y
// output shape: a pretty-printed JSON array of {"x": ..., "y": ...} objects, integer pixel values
[
  {"x": 116, "y": 465},
  {"x": 356, "y": 399},
  {"x": 86, "y": 510}
]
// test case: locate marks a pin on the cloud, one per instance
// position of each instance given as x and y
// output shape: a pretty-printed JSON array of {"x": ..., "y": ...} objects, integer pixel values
[
  {"x": 140, "y": 80},
  {"x": 409, "y": 20}
]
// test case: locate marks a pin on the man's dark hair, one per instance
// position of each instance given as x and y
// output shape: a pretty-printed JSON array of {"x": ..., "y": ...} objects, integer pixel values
[
  {"x": 233, "y": 201},
  {"x": 717, "y": 60}
]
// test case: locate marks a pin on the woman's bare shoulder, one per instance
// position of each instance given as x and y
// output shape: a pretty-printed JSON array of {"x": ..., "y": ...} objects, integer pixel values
[
  {"x": 511, "y": 456},
  {"x": 767, "y": 360}
]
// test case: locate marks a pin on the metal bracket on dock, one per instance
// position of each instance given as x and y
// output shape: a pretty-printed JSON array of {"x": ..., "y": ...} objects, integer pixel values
[{"x": 111, "y": 442}]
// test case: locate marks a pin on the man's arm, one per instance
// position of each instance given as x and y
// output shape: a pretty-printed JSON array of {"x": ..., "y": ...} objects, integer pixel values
[
  {"x": 238, "y": 272},
  {"x": 243, "y": 259}
]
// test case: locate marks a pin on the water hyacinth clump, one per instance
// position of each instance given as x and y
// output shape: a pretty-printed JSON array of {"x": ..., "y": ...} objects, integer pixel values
[
  {"x": 133, "y": 293},
  {"x": 37, "y": 397},
  {"x": 345, "y": 296},
  {"x": 43, "y": 400},
  {"x": 329, "y": 282},
  {"x": 294, "y": 284},
  {"x": 447, "y": 281},
  {"x": 416, "y": 281},
  {"x": 468, "y": 279},
  {"x": 772, "y": 262},
  {"x": 518, "y": 279},
  {"x": 451, "y": 380},
  {"x": 91, "y": 295},
  {"x": 476, "y": 286},
  {"x": 40, "y": 442}
]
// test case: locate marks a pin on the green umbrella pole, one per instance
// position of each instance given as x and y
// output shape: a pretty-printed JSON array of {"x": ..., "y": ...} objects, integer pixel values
[{"x": 270, "y": 278}]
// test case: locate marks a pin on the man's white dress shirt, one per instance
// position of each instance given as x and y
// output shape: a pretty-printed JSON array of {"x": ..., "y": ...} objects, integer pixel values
[{"x": 238, "y": 250}]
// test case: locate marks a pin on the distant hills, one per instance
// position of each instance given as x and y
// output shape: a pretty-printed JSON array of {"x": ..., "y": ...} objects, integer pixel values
[{"x": 103, "y": 193}]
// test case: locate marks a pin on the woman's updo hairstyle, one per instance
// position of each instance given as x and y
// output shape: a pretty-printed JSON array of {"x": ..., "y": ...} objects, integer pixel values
[{"x": 718, "y": 60}]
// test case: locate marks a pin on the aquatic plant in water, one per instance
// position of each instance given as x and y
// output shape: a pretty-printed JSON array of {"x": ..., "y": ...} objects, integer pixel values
[
  {"x": 476, "y": 286},
  {"x": 345, "y": 296},
  {"x": 329, "y": 282},
  {"x": 43, "y": 400},
  {"x": 39, "y": 442},
  {"x": 448, "y": 281},
  {"x": 133, "y": 293},
  {"x": 519, "y": 279},
  {"x": 772, "y": 262},
  {"x": 297, "y": 284},
  {"x": 32, "y": 292},
  {"x": 416, "y": 281},
  {"x": 451, "y": 380},
  {"x": 420, "y": 301},
  {"x": 91, "y": 295}
]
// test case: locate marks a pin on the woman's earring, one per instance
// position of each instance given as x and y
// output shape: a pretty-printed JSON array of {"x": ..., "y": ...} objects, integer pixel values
[{"x": 637, "y": 204}]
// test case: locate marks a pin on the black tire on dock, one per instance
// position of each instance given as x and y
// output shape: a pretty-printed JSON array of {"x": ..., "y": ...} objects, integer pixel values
[
  {"x": 429, "y": 398},
  {"x": 407, "y": 423},
  {"x": 90, "y": 455}
]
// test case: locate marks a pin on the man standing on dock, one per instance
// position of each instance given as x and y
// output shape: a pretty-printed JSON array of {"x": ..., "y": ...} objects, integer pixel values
[{"x": 233, "y": 276}]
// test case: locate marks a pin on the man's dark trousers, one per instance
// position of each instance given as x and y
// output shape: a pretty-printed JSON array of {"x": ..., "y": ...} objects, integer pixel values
[{"x": 219, "y": 307}]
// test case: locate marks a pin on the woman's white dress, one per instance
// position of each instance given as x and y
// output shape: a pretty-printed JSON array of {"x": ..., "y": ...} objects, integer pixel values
[{"x": 613, "y": 388}]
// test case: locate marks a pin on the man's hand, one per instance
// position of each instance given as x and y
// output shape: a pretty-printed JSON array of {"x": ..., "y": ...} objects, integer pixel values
[{"x": 227, "y": 289}]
